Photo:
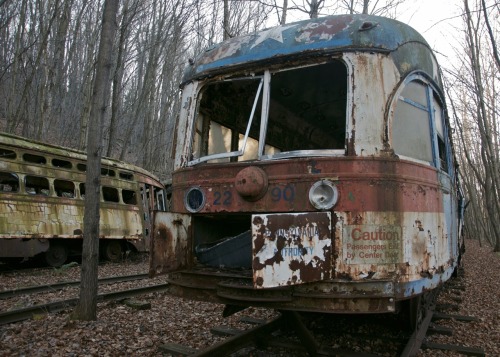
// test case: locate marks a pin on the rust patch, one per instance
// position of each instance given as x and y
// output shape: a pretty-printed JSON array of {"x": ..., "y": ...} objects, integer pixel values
[
  {"x": 290, "y": 249},
  {"x": 169, "y": 244}
]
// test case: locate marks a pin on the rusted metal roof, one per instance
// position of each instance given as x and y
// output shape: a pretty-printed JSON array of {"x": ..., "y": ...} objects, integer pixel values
[{"x": 324, "y": 35}]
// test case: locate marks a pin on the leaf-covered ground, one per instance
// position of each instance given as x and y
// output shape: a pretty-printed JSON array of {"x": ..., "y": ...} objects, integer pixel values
[{"x": 123, "y": 331}]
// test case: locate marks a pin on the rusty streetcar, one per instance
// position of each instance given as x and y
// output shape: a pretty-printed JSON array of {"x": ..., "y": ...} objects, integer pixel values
[
  {"x": 42, "y": 190},
  {"x": 314, "y": 171}
]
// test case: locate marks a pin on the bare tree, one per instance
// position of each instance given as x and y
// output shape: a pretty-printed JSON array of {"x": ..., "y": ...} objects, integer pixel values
[
  {"x": 386, "y": 8},
  {"x": 86, "y": 308},
  {"x": 473, "y": 87}
]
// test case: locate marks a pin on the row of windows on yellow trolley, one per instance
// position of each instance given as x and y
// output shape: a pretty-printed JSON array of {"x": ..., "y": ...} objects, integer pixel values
[{"x": 37, "y": 185}]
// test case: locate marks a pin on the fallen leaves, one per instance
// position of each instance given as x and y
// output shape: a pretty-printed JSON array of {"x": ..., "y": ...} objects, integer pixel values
[{"x": 121, "y": 330}]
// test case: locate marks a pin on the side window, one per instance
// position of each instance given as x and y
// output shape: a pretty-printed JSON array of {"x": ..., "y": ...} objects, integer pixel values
[
  {"x": 418, "y": 130},
  {"x": 36, "y": 185},
  {"x": 110, "y": 194},
  {"x": 129, "y": 197},
  {"x": 105, "y": 171},
  {"x": 7, "y": 154},
  {"x": 35, "y": 159},
  {"x": 441, "y": 136},
  {"x": 9, "y": 182},
  {"x": 411, "y": 135},
  {"x": 64, "y": 188},
  {"x": 62, "y": 163},
  {"x": 82, "y": 190}
]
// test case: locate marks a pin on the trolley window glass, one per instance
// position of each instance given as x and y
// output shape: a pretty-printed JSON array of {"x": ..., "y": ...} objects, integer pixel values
[{"x": 418, "y": 129}]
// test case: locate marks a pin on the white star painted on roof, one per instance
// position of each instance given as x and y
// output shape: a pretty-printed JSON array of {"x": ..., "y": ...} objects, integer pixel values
[{"x": 275, "y": 33}]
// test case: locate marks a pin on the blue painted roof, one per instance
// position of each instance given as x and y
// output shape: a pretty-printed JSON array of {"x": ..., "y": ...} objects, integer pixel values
[{"x": 324, "y": 35}]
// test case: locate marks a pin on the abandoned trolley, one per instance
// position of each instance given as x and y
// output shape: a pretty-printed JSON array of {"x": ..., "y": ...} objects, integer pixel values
[
  {"x": 42, "y": 190},
  {"x": 313, "y": 171}
]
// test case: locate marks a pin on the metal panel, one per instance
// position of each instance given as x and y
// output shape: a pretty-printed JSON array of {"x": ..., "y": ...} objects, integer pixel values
[
  {"x": 170, "y": 242},
  {"x": 291, "y": 248}
]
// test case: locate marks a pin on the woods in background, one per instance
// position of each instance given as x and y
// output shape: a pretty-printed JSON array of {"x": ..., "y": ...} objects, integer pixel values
[{"x": 48, "y": 57}]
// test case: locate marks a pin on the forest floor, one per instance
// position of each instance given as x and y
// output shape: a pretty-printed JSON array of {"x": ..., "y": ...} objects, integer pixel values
[{"x": 123, "y": 331}]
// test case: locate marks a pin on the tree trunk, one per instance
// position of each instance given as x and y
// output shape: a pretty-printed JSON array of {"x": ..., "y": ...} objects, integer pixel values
[
  {"x": 283, "y": 14},
  {"x": 225, "y": 35},
  {"x": 87, "y": 305}
]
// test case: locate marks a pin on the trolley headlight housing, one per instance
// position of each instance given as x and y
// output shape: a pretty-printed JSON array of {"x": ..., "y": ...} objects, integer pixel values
[
  {"x": 194, "y": 199},
  {"x": 323, "y": 194}
]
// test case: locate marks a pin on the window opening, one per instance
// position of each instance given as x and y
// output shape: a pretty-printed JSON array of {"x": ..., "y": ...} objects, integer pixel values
[
  {"x": 126, "y": 175},
  {"x": 129, "y": 197},
  {"x": 160, "y": 199},
  {"x": 7, "y": 154},
  {"x": 64, "y": 188},
  {"x": 82, "y": 190},
  {"x": 441, "y": 137},
  {"x": 105, "y": 171},
  {"x": 34, "y": 159},
  {"x": 81, "y": 167},
  {"x": 307, "y": 111},
  {"x": 36, "y": 185},
  {"x": 9, "y": 182},
  {"x": 110, "y": 194},
  {"x": 226, "y": 109},
  {"x": 62, "y": 163}
]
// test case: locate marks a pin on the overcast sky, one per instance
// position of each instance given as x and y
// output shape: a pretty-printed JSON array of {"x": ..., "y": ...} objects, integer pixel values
[{"x": 436, "y": 20}]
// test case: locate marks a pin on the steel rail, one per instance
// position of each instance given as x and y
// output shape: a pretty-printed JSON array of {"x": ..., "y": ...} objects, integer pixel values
[
  {"x": 59, "y": 286},
  {"x": 28, "y": 312}
]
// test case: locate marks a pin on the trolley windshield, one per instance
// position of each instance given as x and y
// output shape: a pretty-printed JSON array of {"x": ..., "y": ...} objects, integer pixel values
[{"x": 293, "y": 112}]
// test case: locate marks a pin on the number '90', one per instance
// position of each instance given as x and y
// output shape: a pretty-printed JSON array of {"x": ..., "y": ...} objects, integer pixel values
[{"x": 286, "y": 193}]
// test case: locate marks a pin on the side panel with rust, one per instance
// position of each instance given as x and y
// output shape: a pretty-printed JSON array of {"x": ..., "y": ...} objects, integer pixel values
[{"x": 171, "y": 242}]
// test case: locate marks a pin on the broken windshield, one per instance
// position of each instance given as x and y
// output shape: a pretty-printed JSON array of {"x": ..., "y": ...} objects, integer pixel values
[{"x": 306, "y": 115}]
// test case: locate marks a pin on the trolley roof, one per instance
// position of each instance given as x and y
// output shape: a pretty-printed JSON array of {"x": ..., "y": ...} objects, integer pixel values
[
  {"x": 46, "y": 148},
  {"x": 324, "y": 35}
]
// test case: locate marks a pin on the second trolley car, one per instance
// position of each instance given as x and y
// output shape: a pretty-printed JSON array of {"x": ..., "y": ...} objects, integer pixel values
[{"x": 42, "y": 191}]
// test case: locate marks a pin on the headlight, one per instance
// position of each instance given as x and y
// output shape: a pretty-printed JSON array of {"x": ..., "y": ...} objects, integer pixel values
[
  {"x": 194, "y": 199},
  {"x": 323, "y": 194}
]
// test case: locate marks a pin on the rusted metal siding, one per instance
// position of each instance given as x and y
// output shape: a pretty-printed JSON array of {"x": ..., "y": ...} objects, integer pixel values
[
  {"x": 372, "y": 82},
  {"x": 374, "y": 184},
  {"x": 402, "y": 246},
  {"x": 395, "y": 206},
  {"x": 55, "y": 219},
  {"x": 171, "y": 243}
]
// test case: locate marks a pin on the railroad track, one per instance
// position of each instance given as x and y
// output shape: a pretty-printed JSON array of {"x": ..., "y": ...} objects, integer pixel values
[
  {"x": 59, "y": 286},
  {"x": 361, "y": 331},
  {"x": 270, "y": 334},
  {"x": 52, "y": 307}
]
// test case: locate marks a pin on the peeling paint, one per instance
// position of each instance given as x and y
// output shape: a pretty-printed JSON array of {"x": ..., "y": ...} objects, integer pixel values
[{"x": 290, "y": 249}]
